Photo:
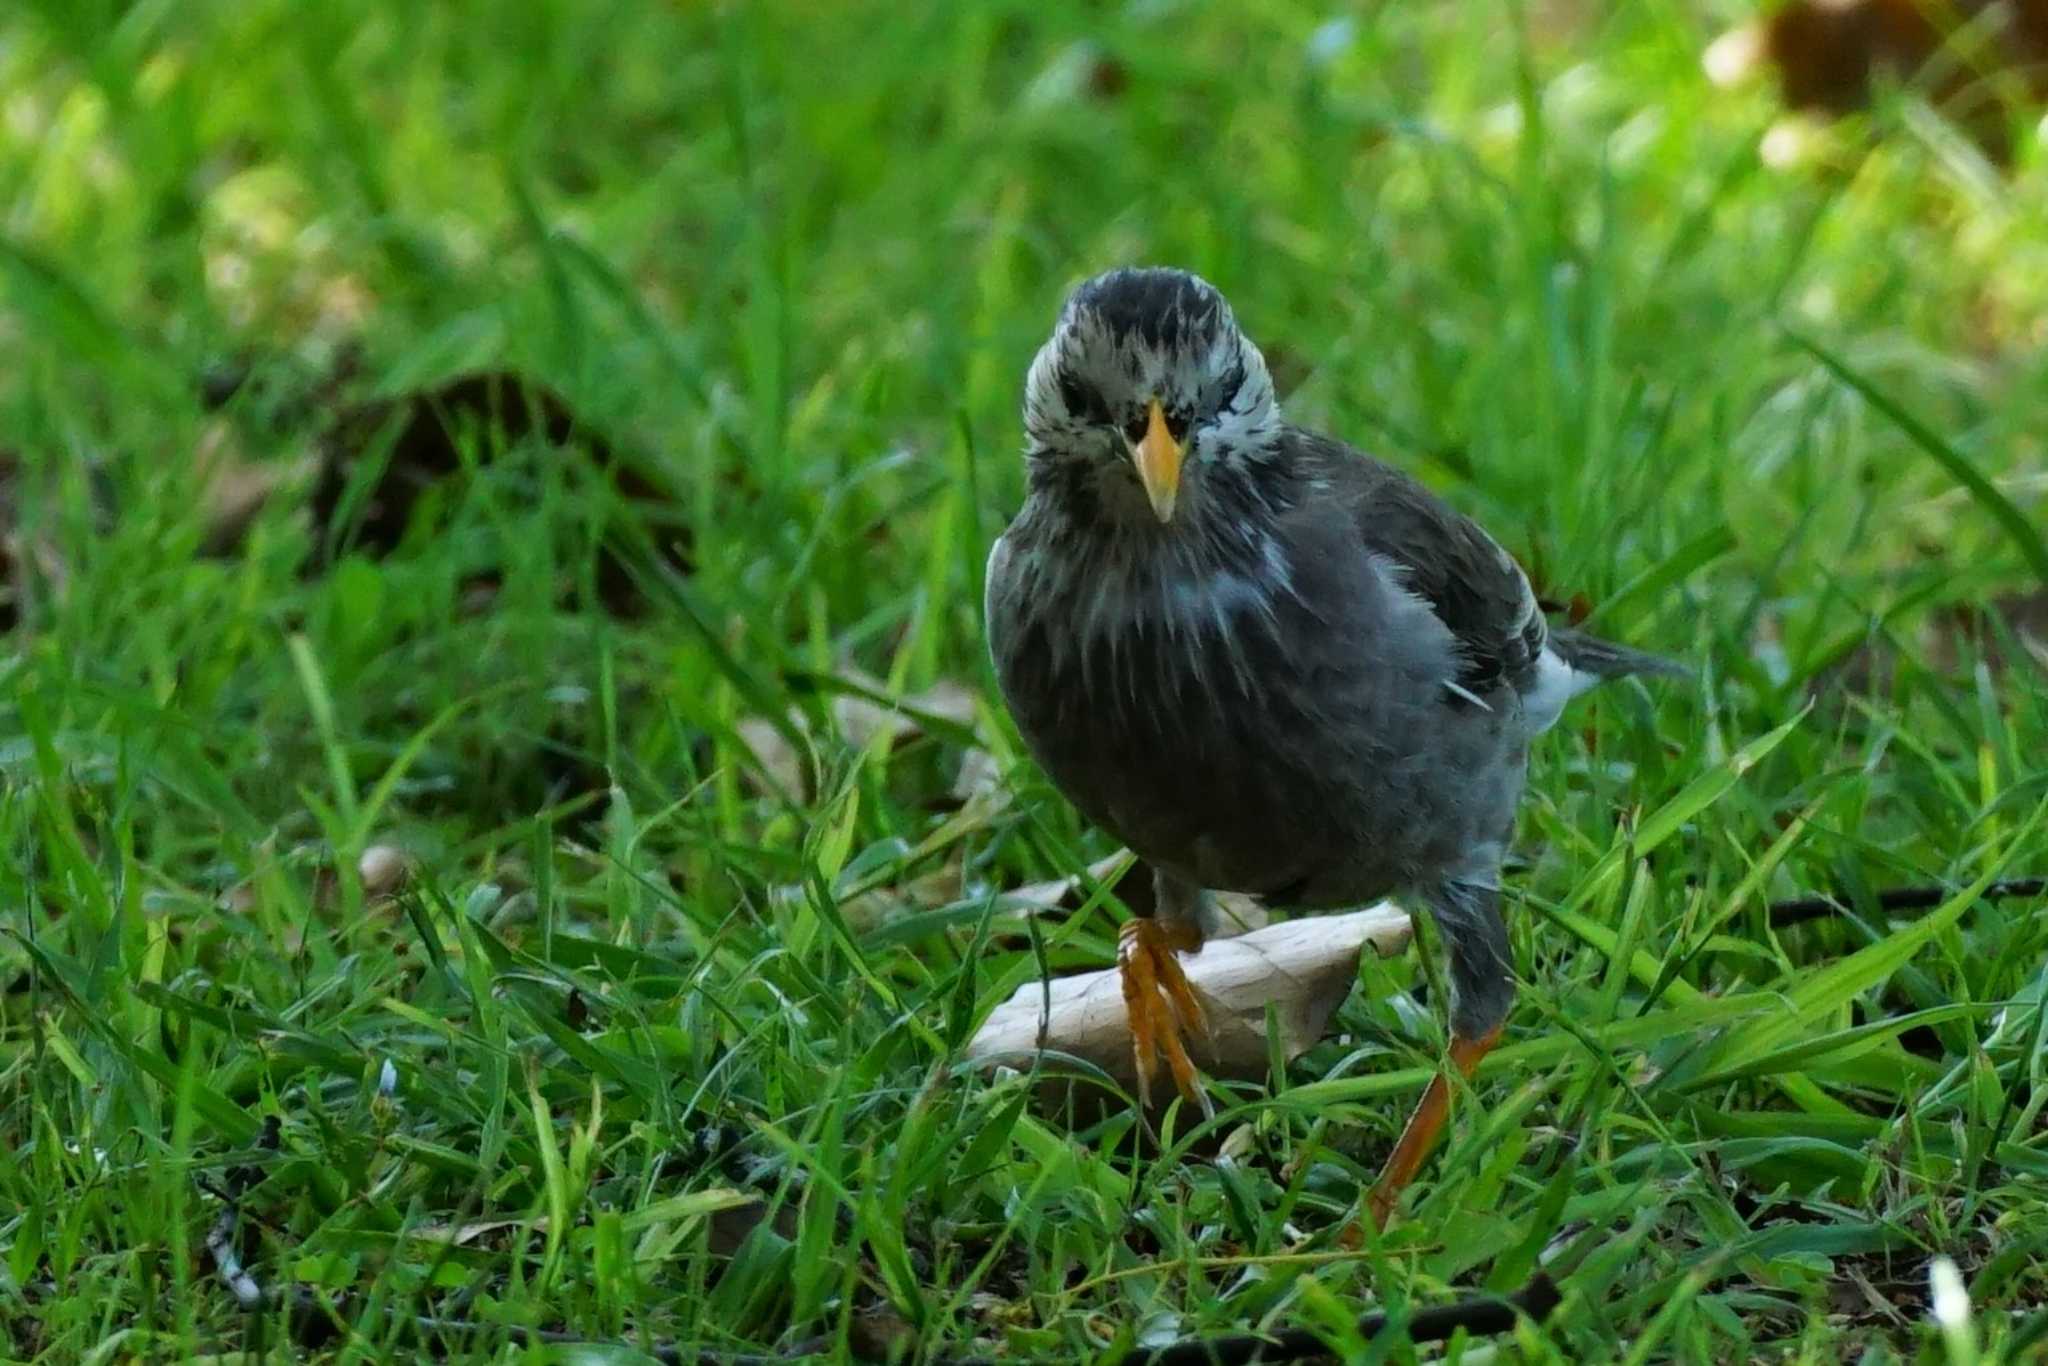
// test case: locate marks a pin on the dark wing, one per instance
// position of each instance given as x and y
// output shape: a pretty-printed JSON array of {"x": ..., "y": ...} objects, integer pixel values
[{"x": 1473, "y": 585}]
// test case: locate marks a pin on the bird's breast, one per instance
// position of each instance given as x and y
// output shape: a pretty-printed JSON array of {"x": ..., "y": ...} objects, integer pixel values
[
  {"x": 1118, "y": 634},
  {"x": 1176, "y": 709},
  {"x": 1252, "y": 726}
]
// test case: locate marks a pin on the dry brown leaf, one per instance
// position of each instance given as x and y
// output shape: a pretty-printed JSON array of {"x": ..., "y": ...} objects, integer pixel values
[
  {"x": 1943, "y": 642},
  {"x": 979, "y": 775},
  {"x": 381, "y": 868},
  {"x": 459, "y": 1235},
  {"x": 871, "y": 910},
  {"x": 1061, "y": 893},
  {"x": 30, "y": 559},
  {"x": 234, "y": 488},
  {"x": 775, "y": 757},
  {"x": 860, "y": 721},
  {"x": 1829, "y": 55},
  {"x": 1302, "y": 968}
]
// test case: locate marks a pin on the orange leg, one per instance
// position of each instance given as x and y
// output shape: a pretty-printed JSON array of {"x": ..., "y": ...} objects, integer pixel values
[
  {"x": 1160, "y": 1004},
  {"x": 1423, "y": 1127}
]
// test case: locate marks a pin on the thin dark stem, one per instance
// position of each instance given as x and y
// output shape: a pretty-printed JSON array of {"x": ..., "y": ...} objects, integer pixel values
[
  {"x": 1478, "y": 1316},
  {"x": 222, "y": 1242},
  {"x": 309, "y": 1326},
  {"x": 1799, "y": 910}
]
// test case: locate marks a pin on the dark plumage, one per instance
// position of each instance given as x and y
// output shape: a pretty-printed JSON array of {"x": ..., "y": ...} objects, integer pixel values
[{"x": 1266, "y": 662}]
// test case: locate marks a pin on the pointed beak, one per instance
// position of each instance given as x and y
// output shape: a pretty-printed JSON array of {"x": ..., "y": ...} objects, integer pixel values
[{"x": 1157, "y": 456}]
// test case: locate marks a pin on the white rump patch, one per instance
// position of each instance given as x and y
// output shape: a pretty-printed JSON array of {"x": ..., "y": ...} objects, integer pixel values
[{"x": 1556, "y": 684}]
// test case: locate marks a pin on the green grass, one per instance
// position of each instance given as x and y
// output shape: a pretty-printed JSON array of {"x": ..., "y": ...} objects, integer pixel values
[{"x": 796, "y": 258}]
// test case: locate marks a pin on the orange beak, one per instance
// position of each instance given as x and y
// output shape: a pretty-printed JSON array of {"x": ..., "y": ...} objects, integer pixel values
[{"x": 1157, "y": 456}]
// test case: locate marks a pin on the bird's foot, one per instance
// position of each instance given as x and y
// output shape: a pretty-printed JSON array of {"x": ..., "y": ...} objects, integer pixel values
[
  {"x": 1424, "y": 1125},
  {"x": 1161, "y": 1004}
]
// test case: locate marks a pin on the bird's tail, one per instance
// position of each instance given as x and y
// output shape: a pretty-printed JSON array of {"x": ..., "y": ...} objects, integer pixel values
[{"x": 1604, "y": 659}]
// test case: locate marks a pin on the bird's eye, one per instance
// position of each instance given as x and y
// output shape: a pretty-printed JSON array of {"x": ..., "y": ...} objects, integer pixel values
[
  {"x": 1135, "y": 427},
  {"x": 1082, "y": 402},
  {"x": 1177, "y": 426}
]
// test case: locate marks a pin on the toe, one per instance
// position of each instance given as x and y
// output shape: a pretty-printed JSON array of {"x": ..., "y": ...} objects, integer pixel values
[
  {"x": 1162, "y": 1006},
  {"x": 1173, "y": 981},
  {"x": 1142, "y": 1007},
  {"x": 1183, "y": 1068}
]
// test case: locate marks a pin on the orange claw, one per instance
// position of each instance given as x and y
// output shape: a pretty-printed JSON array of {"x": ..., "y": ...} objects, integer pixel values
[
  {"x": 1423, "y": 1127},
  {"x": 1161, "y": 1004}
]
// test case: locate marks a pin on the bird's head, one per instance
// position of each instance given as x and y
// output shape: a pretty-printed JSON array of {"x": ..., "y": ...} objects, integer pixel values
[{"x": 1147, "y": 385}]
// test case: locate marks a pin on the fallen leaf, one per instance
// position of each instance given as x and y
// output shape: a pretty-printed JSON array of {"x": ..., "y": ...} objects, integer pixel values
[
  {"x": 423, "y": 441},
  {"x": 858, "y": 719},
  {"x": 422, "y": 438},
  {"x": 381, "y": 868},
  {"x": 33, "y": 566},
  {"x": 1943, "y": 642},
  {"x": 775, "y": 758},
  {"x": 460, "y": 1235},
  {"x": 1302, "y": 968},
  {"x": 1828, "y": 56}
]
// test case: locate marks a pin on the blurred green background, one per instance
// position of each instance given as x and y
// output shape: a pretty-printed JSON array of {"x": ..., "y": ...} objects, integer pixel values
[{"x": 687, "y": 933}]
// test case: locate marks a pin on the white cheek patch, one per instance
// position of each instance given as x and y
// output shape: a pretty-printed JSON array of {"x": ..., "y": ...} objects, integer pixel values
[
  {"x": 1044, "y": 408},
  {"x": 1239, "y": 430},
  {"x": 1248, "y": 417}
]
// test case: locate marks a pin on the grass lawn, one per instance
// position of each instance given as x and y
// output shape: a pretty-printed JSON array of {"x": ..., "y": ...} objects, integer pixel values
[{"x": 498, "y": 885}]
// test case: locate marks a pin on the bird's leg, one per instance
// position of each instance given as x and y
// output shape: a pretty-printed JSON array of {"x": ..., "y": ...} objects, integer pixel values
[
  {"x": 1467, "y": 914},
  {"x": 1158, "y": 999},
  {"x": 1424, "y": 1125}
]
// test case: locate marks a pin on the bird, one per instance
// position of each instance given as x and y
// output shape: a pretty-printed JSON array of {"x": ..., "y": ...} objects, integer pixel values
[{"x": 1266, "y": 662}]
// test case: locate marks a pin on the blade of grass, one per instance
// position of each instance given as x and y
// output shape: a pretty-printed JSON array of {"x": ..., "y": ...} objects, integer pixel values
[{"x": 2023, "y": 532}]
